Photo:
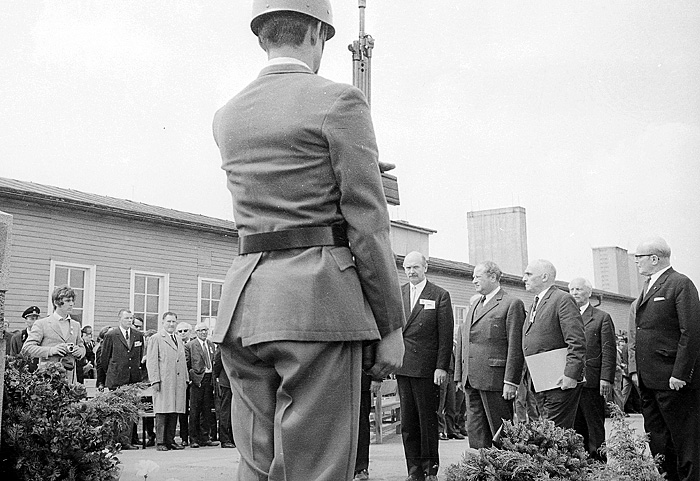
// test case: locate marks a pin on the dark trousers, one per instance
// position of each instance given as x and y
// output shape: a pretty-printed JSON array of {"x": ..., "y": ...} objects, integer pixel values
[
  {"x": 446, "y": 408},
  {"x": 165, "y": 428},
  {"x": 201, "y": 404},
  {"x": 362, "y": 459},
  {"x": 672, "y": 419},
  {"x": 590, "y": 421},
  {"x": 486, "y": 411},
  {"x": 225, "y": 430},
  {"x": 461, "y": 411},
  {"x": 559, "y": 405},
  {"x": 420, "y": 398}
]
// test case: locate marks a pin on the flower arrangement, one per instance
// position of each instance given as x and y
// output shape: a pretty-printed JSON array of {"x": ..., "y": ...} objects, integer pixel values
[{"x": 50, "y": 432}]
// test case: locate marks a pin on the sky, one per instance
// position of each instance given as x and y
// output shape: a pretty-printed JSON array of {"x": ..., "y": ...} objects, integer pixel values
[{"x": 587, "y": 114}]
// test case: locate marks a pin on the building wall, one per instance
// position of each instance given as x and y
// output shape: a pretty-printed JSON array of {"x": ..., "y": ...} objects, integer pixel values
[{"x": 115, "y": 246}]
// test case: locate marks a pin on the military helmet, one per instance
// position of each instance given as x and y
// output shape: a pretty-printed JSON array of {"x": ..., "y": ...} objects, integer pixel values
[{"x": 318, "y": 9}]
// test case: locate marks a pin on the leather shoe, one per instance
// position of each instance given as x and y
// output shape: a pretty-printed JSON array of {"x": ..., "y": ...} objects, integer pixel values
[
  {"x": 176, "y": 446},
  {"x": 228, "y": 445},
  {"x": 210, "y": 443},
  {"x": 431, "y": 477},
  {"x": 151, "y": 442},
  {"x": 194, "y": 445},
  {"x": 443, "y": 437},
  {"x": 185, "y": 443},
  {"x": 162, "y": 447},
  {"x": 455, "y": 436},
  {"x": 127, "y": 447},
  {"x": 463, "y": 432}
]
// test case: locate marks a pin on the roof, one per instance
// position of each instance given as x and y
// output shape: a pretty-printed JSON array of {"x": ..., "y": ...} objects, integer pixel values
[{"x": 101, "y": 204}]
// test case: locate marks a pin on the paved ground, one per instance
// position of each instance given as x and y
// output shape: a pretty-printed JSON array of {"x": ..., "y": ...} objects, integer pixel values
[{"x": 217, "y": 464}]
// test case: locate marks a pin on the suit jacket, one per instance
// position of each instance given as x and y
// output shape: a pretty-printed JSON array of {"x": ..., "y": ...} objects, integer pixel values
[
  {"x": 299, "y": 151},
  {"x": 667, "y": 333},
  {"x": 489, "y": 347},
  {"x": 166, "y": 363},
  {"x": 558, "y": 324},
  {"x": 220, "y": 372},
  {"x": 47, "y": 333},
  {"x": 196, "y": 361},
  {"x": 428, "y": 332},
  {"x": 601, "y": 347},
  {"x": 120, "y": 363}
]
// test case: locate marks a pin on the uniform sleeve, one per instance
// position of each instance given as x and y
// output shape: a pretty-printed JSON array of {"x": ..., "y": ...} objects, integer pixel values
[{"x": 354, "y": 157}]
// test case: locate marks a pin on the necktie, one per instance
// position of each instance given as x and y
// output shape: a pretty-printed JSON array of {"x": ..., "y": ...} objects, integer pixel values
[
  {"x": 479, "y": 307},
  {"x": 127, "y": 335},
  {"x": 534, "y": 309},
  {"x": 174, "y": 338},
  {"x": 646, "y": 286},
  {"x": 413, "y": 296},
  {"x": 207, "y": 360}
]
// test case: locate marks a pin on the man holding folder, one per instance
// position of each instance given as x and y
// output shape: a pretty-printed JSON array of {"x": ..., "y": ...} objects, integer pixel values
[{"x": 554, "y": 323}]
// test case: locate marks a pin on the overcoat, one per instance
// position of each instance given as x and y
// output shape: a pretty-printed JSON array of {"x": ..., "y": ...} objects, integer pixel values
[{"x": 166, "y": 364}]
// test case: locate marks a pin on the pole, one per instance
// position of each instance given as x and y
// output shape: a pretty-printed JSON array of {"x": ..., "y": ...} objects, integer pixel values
[
  {"x": 5, "y": 241},
  {"x": 362, "y": 57}
]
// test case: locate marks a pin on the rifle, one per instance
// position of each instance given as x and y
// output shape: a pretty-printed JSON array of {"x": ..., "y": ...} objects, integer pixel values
[{"x": 362, "y": 56}]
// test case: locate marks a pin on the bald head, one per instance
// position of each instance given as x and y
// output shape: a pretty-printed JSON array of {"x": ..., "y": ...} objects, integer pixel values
[
  {"x": 415, "y": 266},
  {"x": 653, "y": 255},
  {"x": 539, "y": 275}
]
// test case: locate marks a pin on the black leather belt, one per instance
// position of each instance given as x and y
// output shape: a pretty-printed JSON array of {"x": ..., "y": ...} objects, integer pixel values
[{"x": 293, "y": 239}]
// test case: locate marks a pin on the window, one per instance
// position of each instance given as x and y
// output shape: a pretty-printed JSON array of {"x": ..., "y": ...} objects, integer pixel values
[
  {"x": 209, "y": 298},
  {"x": 149, "y": 297},
  {"x": 81, "y": 278},
  {"x": 460, "y": 314}
]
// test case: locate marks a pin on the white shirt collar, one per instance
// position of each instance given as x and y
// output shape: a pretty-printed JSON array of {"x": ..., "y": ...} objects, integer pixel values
[
  {"x": 584, "y": 307},
  {"x": 491, "y": 295},
  {"x": 123, "y": 331},
  {"x": 419, "y": 287},
  {"x": 655, "y": 277},
  {"x": 540, "y": 296},
  {"x": 287, "y": 60}
]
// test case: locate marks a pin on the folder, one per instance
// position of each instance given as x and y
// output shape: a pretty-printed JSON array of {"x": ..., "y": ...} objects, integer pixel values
[{"x": 546, "y": 368}]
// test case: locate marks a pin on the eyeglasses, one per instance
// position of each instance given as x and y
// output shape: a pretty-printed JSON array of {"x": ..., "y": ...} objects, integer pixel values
[
  {"x": 639, "y": 256},
  {"x": 183, "y": 330},
  {"x": 203, "y": 330}
]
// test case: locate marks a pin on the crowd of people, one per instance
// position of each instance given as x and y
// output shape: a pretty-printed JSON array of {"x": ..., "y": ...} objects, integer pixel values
[{"x": 182, "y": 367}]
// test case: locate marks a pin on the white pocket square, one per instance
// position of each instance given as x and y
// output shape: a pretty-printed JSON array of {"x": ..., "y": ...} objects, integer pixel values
[{"x": 656, "y": 299}]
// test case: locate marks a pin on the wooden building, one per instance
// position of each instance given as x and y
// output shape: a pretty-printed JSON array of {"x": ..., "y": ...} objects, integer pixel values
[{"x": 121, "y": 254}]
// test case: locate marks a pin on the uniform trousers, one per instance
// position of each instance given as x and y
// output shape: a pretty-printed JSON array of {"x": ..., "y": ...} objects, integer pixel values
[
  {"x": 295, "y": 408},
  {"x": 419, "y": 398},
  {"x": 362, "y": 461},
  {"x": 672, "y": 419}
]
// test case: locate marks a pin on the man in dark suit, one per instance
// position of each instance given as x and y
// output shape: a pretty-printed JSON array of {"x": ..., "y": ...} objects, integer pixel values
[
  {"x": 200, "y": 361},
  {"x": 664, "y": 361},
  {"x": 601, "y": 361},
  {"x": 428, "y": 348},
  {"x": 554, "y": 322},
  {"x": 223, "y": 388},
  {"x": 120, "y": 363},
  {"x": 30, "y": 315},
  {"x": 489, "y": 356},
  {"x": 315, "y": 276}
]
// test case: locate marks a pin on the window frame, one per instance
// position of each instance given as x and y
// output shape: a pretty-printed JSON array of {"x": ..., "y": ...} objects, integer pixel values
[
  {"x": 200, "y": 280},
  {"x": 88, "y": 289},
  {"x": 163, "y": 294}
]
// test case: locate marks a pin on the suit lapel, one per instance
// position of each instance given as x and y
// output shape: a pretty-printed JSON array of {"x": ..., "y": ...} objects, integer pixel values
[
  {"x": 56, "y": 326},
  {"x": 587, "y": 315},
  {"x": 425, "y": 294},
  {"x": 491, "y": 304},
  {"x": 540, "y": 305},
  {"x": 656, "y": 286}
]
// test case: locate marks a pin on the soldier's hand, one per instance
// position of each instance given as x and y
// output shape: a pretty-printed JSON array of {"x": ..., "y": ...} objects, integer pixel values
[
  {"x": 156, "y": 386},
  {"x": 605, "y": 388},
  {"x": 439, "y": 377},
  {"x": 509, "y": 391},
  {"x": 389, "y": 356}
]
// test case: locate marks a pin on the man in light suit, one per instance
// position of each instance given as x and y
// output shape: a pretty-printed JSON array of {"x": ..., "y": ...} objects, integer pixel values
[
  {"x": 200, "y": 361},
  {"x": 489, "y": 356},
  {"x": 120, "y": 363},
  {"x": 57, "y": 338},
  {"x": 315, "y": 276},
  {"x": 554, "y": 322},
  {"x": 664, "y": 361},
  {"x": 428, "y": 348},
  {"x": 167, "y": 373},
  {"x": 601, "y": 361}
]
